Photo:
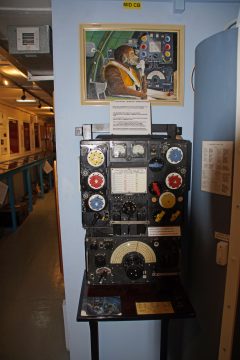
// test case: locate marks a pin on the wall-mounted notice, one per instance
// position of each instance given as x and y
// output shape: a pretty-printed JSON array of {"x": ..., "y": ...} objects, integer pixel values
[
  {"x": 132, "y": 5},
  {"x": 217, "y": 157},
  {"x": 130, "y": 118}
]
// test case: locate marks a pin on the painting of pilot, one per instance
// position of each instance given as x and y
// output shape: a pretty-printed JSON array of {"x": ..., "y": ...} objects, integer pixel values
[
  {"x": 137, "y": 64},
  {"x": 123, "y": 76}
]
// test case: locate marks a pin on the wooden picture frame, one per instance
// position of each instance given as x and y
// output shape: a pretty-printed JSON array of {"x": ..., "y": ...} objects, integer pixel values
[{"x": 109, "y": 69}]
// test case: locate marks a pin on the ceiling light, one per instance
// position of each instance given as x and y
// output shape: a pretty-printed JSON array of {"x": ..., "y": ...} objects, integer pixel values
[
  {"x": 6, "y": 82},
  {"x": 46, "y": 108},
  {"x": 12, "y": 71},
  {"x": 24, "y": 99}
]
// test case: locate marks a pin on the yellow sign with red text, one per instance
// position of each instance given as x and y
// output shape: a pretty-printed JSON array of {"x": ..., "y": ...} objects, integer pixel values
[{"x": 132, "y": 5}]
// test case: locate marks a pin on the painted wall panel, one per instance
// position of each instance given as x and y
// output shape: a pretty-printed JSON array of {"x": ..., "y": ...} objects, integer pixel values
[{"x": 129, "y": 340}]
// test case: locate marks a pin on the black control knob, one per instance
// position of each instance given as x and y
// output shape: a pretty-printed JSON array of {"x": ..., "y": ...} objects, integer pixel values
[
  {"x": 100, "y": 260},
  {"x": 108, "y": 244},
  {"x": 156, "y": 164},
  {"x": 94, "y": 245},
  {"x": 134, "y": 265},
  {"x": 129, "y": 208}
]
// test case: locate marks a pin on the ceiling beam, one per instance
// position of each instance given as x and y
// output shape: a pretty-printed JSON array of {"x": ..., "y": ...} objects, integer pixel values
[{"x": 13, "y": 61}]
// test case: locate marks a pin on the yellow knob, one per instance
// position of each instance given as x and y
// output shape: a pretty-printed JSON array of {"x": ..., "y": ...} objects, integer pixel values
[{"x": 167, "y": 200}]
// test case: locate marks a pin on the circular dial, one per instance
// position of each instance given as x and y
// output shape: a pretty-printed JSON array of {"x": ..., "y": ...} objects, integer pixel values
[
  {"x": 129, "y": 208},
  {"x": 156, "y": 164},
  {"x": 96, "y": 180},
  {"x": 174, "y": 181},
  {"x": 134, "y": 265},
  {"x": 96, "y": 202},
  {"x": 119, "y": 151},
  {"x": 167, "y": 200},
  {"x": 95, "y": 158},
  {"x": 138, "y": 150},
  {"x": 174, "y": 155}
]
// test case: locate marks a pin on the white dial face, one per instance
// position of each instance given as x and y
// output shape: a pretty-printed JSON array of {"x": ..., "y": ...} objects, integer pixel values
[
  {"x": 138, "y": 150},
  {"x": 119, "y": 150}
]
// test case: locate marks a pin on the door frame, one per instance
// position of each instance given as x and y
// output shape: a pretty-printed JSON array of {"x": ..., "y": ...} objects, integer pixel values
[{"x": 233, "y": 266}]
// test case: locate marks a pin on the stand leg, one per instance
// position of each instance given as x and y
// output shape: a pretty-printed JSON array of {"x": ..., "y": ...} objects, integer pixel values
[
  {"x": 164, "y": 339},
  {"x": 94, "y": 339}
]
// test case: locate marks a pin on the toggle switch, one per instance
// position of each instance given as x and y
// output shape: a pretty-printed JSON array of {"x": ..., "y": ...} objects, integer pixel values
[
  {"x": 154, "y": 188},
  {"x": 175, "y": 216},
  {"x": 158, "y": 217}
]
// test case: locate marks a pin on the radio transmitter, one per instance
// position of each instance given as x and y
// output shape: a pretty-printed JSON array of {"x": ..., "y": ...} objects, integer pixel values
[{"x": 134, "y": 192}]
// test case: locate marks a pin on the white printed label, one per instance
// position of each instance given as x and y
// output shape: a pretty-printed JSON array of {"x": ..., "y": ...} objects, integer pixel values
[
  {"x": 217, "y": 167},
  {"x": 128, "y": 180}
]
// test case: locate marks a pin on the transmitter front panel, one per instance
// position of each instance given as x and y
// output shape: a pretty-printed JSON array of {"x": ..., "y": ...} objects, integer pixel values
[
  {"x": 134, "y": 193},
  {"x": 134, "y": 187}
]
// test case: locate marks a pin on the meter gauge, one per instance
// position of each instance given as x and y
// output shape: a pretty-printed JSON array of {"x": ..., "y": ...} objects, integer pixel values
[
  {"x": 119, "y": 151},
  {"x": 96, "y": 180},
  {"x": 95, "y": 158},
  {"x": 138, "y": 150},
  {"x": 174, "y": 155}
]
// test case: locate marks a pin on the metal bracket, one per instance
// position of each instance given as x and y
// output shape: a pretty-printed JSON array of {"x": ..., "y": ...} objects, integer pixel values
[
  {"x": 31, "y": 77},
  {"x": 87, "y": 130}
]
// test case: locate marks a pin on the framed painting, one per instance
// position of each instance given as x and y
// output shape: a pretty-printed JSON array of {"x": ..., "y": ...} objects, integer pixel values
[{"x": 123, "y": 61}]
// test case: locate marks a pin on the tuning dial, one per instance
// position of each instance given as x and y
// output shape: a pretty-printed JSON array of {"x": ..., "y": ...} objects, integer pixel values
[
  {"x": 174, "y": 181},
  {"x": 134, "y": 265},
  {"x": 174, "y": 155},
  {"x": 96, "y": 202},
  {"x": 129, "y": 208},
  {"x": 167, "y": 200},
  {"x": 96, "y": 180},
  {"x": 95, "y": 158}
]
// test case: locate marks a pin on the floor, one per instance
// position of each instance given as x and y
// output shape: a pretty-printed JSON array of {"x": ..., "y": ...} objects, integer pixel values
[{"x": 31, "y": 289}]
